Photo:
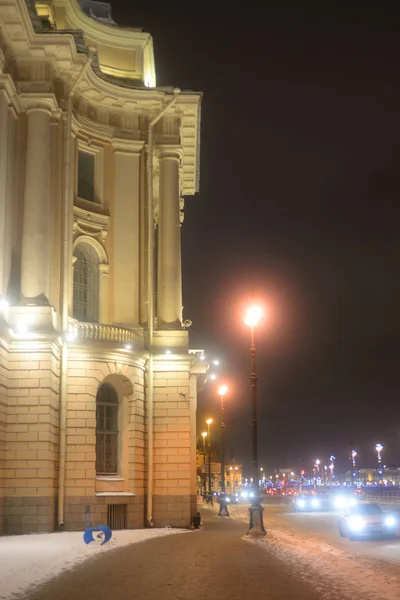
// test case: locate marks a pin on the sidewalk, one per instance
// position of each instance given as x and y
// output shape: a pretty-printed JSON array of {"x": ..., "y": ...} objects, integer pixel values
[
  {"x": 214, "y": 562},
  {"x": 29, "y": 560}
]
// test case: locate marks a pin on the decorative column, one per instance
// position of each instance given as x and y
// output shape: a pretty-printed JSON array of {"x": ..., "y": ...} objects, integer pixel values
[
  {"x": 169, "y": 293},
  {"x": 35, "y": 268}
]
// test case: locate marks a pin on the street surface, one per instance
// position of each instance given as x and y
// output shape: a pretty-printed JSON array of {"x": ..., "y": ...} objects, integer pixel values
[
  {"x": 323, "y": 526},
  {"x": 301, "y": 558}
]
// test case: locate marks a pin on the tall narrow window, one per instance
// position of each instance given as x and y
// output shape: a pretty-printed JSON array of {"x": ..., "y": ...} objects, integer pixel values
[
  {"x": 86, "y": 175},
  {"x": 107, "y": 431},
  {"x": 86, "y": 284}
]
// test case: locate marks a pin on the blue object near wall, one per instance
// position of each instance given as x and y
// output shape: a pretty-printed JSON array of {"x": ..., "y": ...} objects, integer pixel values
[{"x": 94, "y": 534}]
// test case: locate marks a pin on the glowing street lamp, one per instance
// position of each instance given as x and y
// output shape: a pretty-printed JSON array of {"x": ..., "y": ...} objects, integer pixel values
[
  {"x": 379, "y": 449},
  {"x": 332, "y": 467},
  {"x": 223, "y": 508},
  {"x": 252, "y": 319}
]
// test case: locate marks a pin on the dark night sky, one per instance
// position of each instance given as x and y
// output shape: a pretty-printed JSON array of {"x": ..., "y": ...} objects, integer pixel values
[{"x": 299, "y": 205}]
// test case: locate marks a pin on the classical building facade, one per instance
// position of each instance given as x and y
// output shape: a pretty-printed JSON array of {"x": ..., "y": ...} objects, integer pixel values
[
  {"x": 233, "y": 478},
  {"x": 98, "y": 386}
]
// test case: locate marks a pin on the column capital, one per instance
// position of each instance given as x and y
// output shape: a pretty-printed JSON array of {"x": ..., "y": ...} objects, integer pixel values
[
  {"x": 166, "y": 152},
  {"x": 40, "y": 102}
]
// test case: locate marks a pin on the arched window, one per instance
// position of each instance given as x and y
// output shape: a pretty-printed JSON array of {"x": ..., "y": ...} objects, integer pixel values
[
  {"x": 107, "y": 437},
  {"x": 86, "y": 284}
]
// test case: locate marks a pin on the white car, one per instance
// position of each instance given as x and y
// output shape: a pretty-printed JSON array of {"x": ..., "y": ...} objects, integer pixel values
[{"x": 366, "y": 520}]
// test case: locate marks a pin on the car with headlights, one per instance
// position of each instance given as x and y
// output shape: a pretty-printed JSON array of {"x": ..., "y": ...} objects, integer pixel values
[
  {"x": 247, "y": 495},
  {"x": 311, "y": 502},
  {"x": 367, "y": 520},
  {"x": 232, "y": 498},
  {"x": 342, "y": 502}
]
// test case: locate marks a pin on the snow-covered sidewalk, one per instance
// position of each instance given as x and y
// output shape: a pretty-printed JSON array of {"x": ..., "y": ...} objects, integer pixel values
[
  {"x": 334, "y": 570},
  {"x": 29, "y": 560}
]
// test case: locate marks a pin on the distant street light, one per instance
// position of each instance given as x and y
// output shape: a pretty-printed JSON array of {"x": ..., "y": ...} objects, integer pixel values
[
  {"x": 379, "y": 449},
  {"x": 353, "y": 467},
  {"x": 223, "y": 508},
  {"x": 256, "y": 526}
]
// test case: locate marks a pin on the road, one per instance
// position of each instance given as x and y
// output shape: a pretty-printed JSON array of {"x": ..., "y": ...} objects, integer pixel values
[{"x": 323, "y": 526}]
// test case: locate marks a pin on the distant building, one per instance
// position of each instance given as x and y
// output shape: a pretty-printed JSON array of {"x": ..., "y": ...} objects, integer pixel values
[
  {"x": 98, "y": 385},
  {"x": 370, "y": 476},
  {"x": 233, "y": 477}
]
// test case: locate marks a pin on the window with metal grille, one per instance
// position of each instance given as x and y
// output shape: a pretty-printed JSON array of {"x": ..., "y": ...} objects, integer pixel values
[
  {"x": 86, "y": 284},
  {"x": 116, "y": 516},
  {"x": 107, "y": 431},
  {"x": 86, "y": 175}
]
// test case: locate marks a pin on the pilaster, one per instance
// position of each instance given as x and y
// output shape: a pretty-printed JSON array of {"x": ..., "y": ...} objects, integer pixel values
[
  {"x": 126, "y": 218},
  {"x": 169, "y": 291},
  {"x": 36, "y": 249}
]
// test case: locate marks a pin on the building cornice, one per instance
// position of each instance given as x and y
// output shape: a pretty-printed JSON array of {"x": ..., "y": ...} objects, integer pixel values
[
  {"x": 127, "y": 145},
  {"x": 112, "y": 35}
]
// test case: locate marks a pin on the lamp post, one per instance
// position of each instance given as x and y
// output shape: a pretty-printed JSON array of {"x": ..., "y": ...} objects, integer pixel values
[
  {"x": 256, "y": 526},
  {"x": 209, "y": 421},
  {"x": 353, "y": 467},
  {"x": 223, "y": 508},
  {"x": 332, "y": 467},
  {"x": 204, "y": 435},
  {"x": 379, "y": 449}
]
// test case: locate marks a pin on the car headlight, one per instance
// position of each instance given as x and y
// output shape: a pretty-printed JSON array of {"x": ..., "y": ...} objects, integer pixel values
[
  {"x": 356, "y": 523},
  {"x": 390, "y": 522},
  {"x": 244, "y": 494},
  {"x": 315, "y": 503},
  {"x": 352, "y": 502},
  {"x": 301, "y": 503},
  {"x": 227, "y": 499},
  {"x": 340, "y": 502},
  {"x": 251, "y": 495}
]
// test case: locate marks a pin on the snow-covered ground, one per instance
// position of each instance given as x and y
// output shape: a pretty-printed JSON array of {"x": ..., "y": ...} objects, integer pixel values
[
  {"x": 334, "y": 571},
  {"x": 29, "y": 560}
]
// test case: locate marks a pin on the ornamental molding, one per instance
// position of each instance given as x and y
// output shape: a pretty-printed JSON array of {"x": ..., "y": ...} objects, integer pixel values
[
  {"x": 7, "y": 86},
  {"x": 127, "y": 146},
  {"x": 95, "y": 225},
  {"x": 98, "y": 246},
  {"x": 91, "y": 131}
]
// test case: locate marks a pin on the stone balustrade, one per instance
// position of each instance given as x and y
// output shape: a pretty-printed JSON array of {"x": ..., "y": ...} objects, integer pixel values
[{"x": 108, "y": 333}]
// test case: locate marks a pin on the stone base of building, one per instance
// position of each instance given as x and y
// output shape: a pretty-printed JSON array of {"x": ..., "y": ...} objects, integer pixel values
[
  {"x": 174, "y": 511},
  {"x": 118, "y": 512},
  {"x": 1, "y": 515},
  {"x": 38, "y": 514},
  {"x": 29, "y": 514}
]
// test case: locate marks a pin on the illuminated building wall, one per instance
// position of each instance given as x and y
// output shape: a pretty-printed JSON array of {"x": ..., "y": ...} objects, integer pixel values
[{"x": 98, "y": 386}]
